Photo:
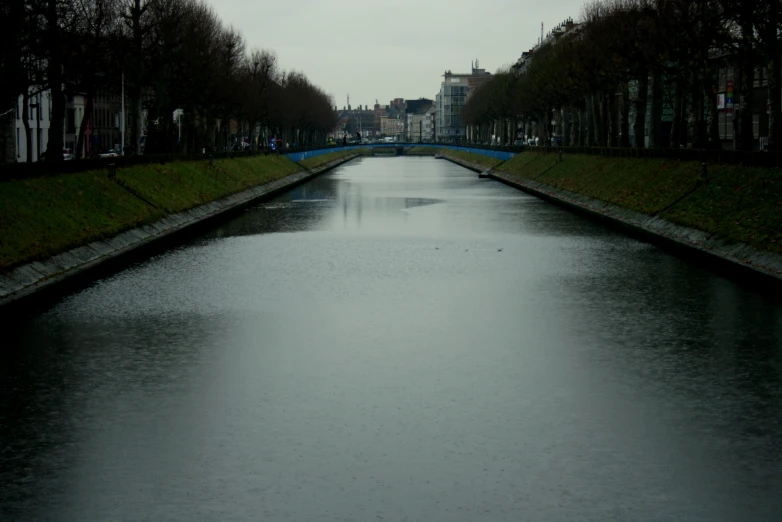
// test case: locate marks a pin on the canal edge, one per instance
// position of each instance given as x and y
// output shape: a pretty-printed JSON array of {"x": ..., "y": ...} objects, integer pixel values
[
  {"x": 476, "y": 167},
  {"x": 36, "y": 282},
  {"x": 737, "y": 261}
]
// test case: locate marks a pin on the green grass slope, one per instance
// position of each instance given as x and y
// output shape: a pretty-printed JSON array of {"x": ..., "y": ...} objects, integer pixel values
[
  {"x": 738, "y": 204},
  {"x": 44, "y": 216},
  {"x": 317, "y": 161}
]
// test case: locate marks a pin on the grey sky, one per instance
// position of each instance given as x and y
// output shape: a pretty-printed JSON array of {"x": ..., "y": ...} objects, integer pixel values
[{"x": 381, "y": 50}]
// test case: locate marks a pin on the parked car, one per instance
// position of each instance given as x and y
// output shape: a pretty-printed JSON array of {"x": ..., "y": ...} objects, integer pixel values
[
  {"x": 111, "y": 153},
  {"x": 67, "y": 154}
]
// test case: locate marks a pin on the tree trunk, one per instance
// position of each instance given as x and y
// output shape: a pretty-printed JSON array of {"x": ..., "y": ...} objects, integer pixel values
[
  {"x": 54, "y": 70},
  {"x": 624, "y": 127},
  {"x": 700, "y": 86},
  {"x": 657, "y": 109},
  {"x": 12, "y": 81},
  {"x": 745, "y": 139},
  {"x": 83, "y": 125},
  {"x": 712, "y": 122},
  {"x": 253, "y": 145},
  {"x": 26, "y": 123},
  {"x": 597, "y": 121},
  {"x": 678, "y": 120},
  {"x": 588, "y": 124},
  {"x": 774, "y": 96},
  {"x": 640, "y": 110},
  {"x": 605, "y": 107},
  {"x": 136, "y": 90},
  {"x": 8, "y": 152}
]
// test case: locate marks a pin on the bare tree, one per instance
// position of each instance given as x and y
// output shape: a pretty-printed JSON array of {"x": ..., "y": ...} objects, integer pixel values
[{"x": 12, "y": 34}]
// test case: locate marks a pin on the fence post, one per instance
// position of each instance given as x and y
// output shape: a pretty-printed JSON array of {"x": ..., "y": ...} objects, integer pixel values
[{"x": 112, "y": 170}]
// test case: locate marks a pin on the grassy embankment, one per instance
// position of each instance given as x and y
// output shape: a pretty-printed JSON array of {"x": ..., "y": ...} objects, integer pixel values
[
  {"x": 738, "y": 204},
  {"x": 41, "y": 217},
  {"x": 423, "y": 151},
  {"x": 485, "y": 161},
  {"x": 317, "y": 161}
]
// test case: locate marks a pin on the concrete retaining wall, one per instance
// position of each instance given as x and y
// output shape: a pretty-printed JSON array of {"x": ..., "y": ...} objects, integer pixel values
[{"x": 32, "y": 278}]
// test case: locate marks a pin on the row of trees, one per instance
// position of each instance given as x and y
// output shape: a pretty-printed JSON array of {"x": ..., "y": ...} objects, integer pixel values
[
  {"x": 174, "y": 55},
  {"x": 627, "y": 55}
]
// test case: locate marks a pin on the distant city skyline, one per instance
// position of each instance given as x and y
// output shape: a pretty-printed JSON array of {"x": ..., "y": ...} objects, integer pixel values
[{"x": 382, "y": 51}]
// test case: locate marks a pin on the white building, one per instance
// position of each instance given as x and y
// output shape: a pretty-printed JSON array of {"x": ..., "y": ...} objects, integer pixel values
[
  {"x": 421, "y": 125},
  {"x": 102, "y": 131},
  {"x": 39, "y": 115},
  {"x": 450, "y": 101}
]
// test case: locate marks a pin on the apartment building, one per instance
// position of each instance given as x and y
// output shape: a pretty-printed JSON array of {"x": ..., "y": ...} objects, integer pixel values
[
  {"x": 421, "y": 125},
  {"x": 451, "y": 99}
]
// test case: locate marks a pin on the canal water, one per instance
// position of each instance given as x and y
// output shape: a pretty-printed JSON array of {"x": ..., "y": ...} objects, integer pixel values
[{"x": 398, "y": 340}]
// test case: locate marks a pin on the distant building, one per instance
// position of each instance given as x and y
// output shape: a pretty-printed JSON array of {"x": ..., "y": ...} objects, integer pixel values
[
  {"x": 392, "y": 127},
  {"x": 360, "y": 120},
  {"x": 552, "y": 37},
  {"x": 413, "y": 106},
  {"x": 421, "y": 124},
  {"x": 450, "y": 101},
  {"x": 39, "y": 113}
]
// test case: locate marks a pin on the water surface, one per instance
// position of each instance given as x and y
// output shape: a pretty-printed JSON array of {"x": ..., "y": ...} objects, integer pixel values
[{"x": 398, "y": 340}]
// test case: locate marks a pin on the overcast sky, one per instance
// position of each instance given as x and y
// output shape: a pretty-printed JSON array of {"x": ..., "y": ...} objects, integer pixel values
[{"x": 374, "y": 49}]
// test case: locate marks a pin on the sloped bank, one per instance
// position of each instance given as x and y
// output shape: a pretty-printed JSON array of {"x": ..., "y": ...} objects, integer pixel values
[
  {"x": 729, "y": 218},
  {"x": 470, "y": 160},
  {"x": 43, "y": 277}
]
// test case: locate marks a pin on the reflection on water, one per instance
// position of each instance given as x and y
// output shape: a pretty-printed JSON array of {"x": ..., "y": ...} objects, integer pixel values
[{"x": 398, "y": 340}]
